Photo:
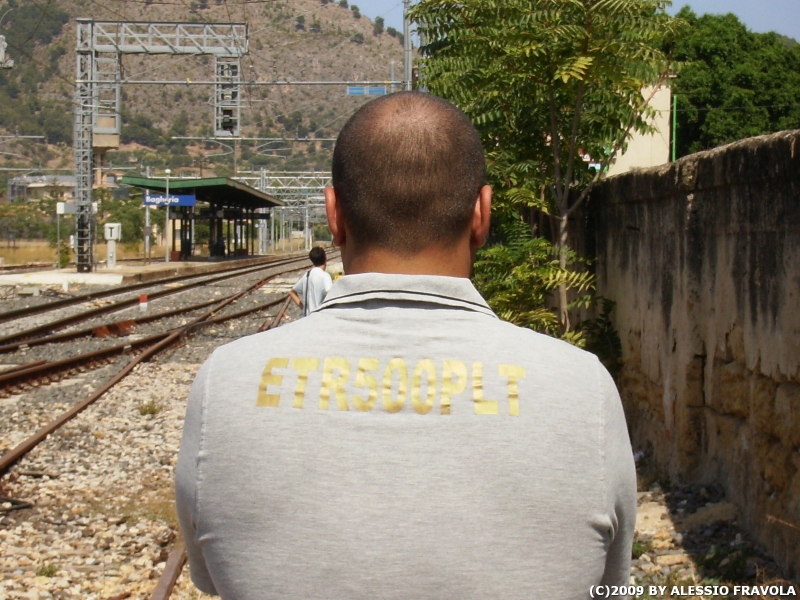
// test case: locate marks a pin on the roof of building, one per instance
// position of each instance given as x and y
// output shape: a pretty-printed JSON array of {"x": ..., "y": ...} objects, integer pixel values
[{"x": 220, "y": 190}]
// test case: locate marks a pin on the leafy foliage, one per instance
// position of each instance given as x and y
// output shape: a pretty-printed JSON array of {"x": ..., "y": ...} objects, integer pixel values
[
  {"x": 395, "y": 34},
  {"x": 544, "y": 81},
  {"x": 519, "y": 275},
  {"x": 734, "y": 83}
]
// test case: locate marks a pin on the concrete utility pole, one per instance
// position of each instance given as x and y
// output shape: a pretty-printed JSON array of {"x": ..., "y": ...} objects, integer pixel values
[
  {"x": 147, "y": 228},
  {"x": 407, "y": 47},
  {"x": 5, "y": 63},
  {"x": 166, "y": 221}
]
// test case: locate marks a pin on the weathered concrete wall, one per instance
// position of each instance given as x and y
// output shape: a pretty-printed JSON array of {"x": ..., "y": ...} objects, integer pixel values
[{"x": 702, "y": 257}]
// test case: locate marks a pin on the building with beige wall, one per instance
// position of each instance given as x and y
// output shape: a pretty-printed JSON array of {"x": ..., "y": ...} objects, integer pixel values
[{"x": 652, "y": 149}]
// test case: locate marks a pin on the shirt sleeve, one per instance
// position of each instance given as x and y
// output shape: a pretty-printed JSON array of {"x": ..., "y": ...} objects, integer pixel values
[
  {"x": 186, "y": 481},
  {"x": 620, "y": 484},
  {"x": 299, "y": 286},
  {"x": 328, "y": 282}
]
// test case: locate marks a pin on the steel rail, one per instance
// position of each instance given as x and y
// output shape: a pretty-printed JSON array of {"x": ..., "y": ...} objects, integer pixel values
[
  {"x": 16, "y": 368},
  {"x": 49, "y": 328},
  {"x": 66, "y": 366},
  {"x": 276, "y": 320},
  {"x": 34, "y": 310},
  {"x": 172, "y": 570},
  {"x": 113, "y": 327}
]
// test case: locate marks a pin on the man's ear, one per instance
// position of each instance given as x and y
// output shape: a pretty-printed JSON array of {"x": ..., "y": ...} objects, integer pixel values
[
  {"x": 335, "y": 219},
  {"x": 479, "y": 230}
]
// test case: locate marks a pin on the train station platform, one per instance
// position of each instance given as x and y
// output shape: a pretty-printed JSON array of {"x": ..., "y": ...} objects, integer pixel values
[{"x": 233, "y": 211}]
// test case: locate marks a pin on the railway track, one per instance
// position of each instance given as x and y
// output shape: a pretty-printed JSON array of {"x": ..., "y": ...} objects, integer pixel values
[
  {"x": 15, "y": 340},
  {"x": 21, "y": 313},
  {"x": 27, "y": 377}
]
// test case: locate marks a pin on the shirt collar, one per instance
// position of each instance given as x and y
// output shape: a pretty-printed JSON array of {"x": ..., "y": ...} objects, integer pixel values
[{"x": 454, "y": 292}]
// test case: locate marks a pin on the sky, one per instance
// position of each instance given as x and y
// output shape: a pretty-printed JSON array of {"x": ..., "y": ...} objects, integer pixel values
[{"x": 761, "y": 16}]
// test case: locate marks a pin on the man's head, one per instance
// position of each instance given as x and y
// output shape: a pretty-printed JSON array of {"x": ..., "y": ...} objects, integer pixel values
[
  {"x": 408, "y": 170},
  {"x": 317, "y": 256}
]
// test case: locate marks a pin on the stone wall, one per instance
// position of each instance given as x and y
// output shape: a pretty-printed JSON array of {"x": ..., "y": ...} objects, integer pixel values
[{"x": 702, "y": 257}]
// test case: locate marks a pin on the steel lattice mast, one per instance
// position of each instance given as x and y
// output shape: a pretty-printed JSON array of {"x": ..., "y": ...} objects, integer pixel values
[{"x": 97, "y": 120}]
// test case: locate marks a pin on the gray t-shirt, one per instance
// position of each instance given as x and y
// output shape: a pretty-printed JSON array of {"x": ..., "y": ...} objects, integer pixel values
[
  {"x": 312, "y": 287},
  {"x": 402, "y": 442}
]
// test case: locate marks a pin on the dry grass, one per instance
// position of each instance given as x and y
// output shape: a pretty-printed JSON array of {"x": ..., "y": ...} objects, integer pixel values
[
  {"x": 34, "y": 251},
  {"x": 151, "y": 407}
]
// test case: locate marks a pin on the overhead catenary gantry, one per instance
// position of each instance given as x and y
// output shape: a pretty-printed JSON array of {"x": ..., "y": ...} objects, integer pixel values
[
  {"x": 97, "y": 115},
  {"x": 98, "y": 121},
  {"x": 302, "y": 195}
]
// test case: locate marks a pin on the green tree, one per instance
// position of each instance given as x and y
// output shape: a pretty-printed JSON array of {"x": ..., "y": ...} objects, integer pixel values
[
  {"x": 377, "y": 28},
  {"x": 517, "y": 278},
  {"x": 544, "y": 80},
  {"x": 734, "y": 83}
]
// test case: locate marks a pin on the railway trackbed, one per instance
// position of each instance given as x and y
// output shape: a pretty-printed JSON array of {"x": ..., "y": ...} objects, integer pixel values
[
  {"x": 51, "y": 463},
  {"x": 169, "y": 286}
]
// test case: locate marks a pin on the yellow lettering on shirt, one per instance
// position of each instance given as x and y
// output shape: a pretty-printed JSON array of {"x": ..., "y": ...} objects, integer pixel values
[
  {"x": 269, "y": 378},
  {"x": 303, "y": 366},
  {"x": 514, "y": 373},
  {"x": 399, "y": 365},
  {"x": 423, "y": 406},
  {"x": 482, "y": 406},
  {"x": 451, "y": 386},
  {"x": 368, "y": 381},
  {"x": 335, "y": 385}
]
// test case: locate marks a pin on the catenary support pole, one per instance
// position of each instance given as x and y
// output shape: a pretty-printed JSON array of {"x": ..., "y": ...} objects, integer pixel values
[
  {"x": 674, "y": 127},
  {"x": 166, "y": 222},
  {"x": 407, "y": 48}
]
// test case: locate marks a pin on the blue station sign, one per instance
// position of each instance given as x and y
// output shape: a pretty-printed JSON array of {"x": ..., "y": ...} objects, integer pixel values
[
  {"x": 172, "y": 200},
  {"x": 363, "y": 90}
]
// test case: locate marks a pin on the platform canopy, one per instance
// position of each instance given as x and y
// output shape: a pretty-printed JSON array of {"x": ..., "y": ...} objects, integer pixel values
[{"x": 221, "y": 191}]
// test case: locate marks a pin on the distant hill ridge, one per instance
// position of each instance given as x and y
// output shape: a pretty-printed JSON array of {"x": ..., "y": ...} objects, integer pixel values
[{"x": 301, "y": 40}]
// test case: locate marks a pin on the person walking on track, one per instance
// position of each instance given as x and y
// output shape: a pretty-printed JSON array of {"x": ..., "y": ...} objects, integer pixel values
[
  {"x": 309, "y": 291},
  {"x": 402, "y": 442}
]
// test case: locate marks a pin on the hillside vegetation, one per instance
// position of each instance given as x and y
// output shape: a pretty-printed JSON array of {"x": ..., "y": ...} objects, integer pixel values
[{"x": 298, "y": 40}]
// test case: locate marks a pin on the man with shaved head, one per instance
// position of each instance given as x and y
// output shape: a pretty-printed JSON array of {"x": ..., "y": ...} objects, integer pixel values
[{"x": 402, "y": 442}]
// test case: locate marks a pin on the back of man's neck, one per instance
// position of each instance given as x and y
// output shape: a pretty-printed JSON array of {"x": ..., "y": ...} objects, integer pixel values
[{"x": 449, "y": 262}]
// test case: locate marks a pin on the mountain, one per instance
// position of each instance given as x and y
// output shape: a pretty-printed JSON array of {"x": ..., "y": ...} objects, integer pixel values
[{"x": 297, "y": 40}]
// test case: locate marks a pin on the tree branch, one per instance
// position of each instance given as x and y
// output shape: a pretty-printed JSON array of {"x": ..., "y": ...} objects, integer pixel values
[
  {"x": 556, "y": 151},
  {"x": 573, "y": 142}
]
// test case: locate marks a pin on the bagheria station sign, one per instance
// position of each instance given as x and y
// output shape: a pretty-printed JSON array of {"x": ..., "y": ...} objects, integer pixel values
[{"x": 171, "y": 200}]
